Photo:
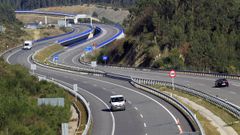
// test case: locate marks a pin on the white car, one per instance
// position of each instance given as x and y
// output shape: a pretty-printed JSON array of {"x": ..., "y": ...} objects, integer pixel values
[
  {"x": 117, "y": 102},
  {"x": 27, "y": 45}
]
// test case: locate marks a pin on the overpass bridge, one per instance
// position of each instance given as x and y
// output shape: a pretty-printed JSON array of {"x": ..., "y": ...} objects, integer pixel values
[{"x": 67, "y": 16}]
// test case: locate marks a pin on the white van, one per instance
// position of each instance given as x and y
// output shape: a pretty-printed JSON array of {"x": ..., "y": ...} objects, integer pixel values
[
  {"x": 27, "y": 45},
  {"x": 117, "y": 102}
]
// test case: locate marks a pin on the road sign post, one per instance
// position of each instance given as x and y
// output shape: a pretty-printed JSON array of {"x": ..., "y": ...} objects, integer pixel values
[
  {"x": 105, "y": 58},
  {"x": 33, "y": 67},
  {"x": 75, "y": 89},
  {"x": 55, "y": 59},
  {"x": 172, "y": 74}
]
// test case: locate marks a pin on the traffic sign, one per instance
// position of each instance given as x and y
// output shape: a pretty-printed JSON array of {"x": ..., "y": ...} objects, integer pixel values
[
  {"x": 33, "y": 66},
  {"x": 105, "y": 58},
  {"x": 172, "y": 74},
  {"x": 55, "y": 58},
  {"x": 88, "y": 49}
]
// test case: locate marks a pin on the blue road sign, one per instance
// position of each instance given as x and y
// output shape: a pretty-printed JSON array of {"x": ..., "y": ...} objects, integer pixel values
[
  {"x": 104, "y": 58},
  {"x": 55, "y": 58},
  {"x": 88, "y": 49}
]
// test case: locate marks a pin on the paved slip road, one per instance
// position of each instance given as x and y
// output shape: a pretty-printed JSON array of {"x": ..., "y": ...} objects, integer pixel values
[{"x": 145, "y": 113}]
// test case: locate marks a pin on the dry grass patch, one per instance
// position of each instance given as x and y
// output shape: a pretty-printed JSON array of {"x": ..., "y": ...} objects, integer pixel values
[
  {"x": 44, "y": 54},
  {"x": 83, "y": 116}
]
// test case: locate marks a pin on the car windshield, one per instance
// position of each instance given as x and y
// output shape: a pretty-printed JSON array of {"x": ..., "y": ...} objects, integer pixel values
[{"x": 117, "y": 99}]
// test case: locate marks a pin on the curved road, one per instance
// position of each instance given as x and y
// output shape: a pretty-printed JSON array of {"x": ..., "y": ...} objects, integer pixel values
[
  {"x": 205, "y": 84},
  {"x": 145, "y": 113}
]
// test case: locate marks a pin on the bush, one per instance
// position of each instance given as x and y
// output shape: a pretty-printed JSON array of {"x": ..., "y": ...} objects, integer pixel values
[{"x": 19, "y": 113}]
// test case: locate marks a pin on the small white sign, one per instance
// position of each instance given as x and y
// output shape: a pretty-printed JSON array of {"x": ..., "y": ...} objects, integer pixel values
[
  {"x": 33, "y": 66},
  {"x": 94, "y": 64},
  {"x": 75, "y": 87}
]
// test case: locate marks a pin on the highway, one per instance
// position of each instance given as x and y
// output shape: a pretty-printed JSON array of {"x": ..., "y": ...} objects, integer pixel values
[
  {"x": 145, "y": 114},
  {"x": 205, "y": 84}
]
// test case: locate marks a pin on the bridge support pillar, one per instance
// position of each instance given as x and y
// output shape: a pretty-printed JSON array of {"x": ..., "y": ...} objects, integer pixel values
[
  {"x": 46, "y": 20},
  {"x": 91, "y": 21}
]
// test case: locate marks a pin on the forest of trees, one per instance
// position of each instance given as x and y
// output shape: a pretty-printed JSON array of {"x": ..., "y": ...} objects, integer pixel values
[
  {"x": 33, "y": 4},
  {"x": 201, "y": 35}
]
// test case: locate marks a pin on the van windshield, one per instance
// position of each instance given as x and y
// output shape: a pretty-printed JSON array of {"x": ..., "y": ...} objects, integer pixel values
[
  {"x": 117, "y": 99},
  {"x": 26, "y": 44}
]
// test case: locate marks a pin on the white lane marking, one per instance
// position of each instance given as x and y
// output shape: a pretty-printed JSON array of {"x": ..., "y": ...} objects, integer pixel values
[
  {"x": 135, "y": 108},
  {"x": 134, "y": 92},
  {"x": 145, "y": 125},
  {"x": 141, "y": 115},
  {"x": 73, "y": 60},
  {"x": 12, "y": 55},
  {"x": 113, "y": 119},
  {"x": 174, "y": 118}
]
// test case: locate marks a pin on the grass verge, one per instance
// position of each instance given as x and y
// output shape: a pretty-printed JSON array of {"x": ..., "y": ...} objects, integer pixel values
[
  {"x": 44, "y": 54},
  {"x": 223, "y": 114}
]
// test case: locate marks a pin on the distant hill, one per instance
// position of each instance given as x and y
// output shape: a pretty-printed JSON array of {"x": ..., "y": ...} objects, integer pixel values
[
  {"x": 198, "y": 35},
  {"x": 34, "y": 4}
]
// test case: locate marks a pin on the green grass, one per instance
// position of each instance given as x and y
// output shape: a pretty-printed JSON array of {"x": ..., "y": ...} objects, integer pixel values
[{"x": 223, "y": 114}]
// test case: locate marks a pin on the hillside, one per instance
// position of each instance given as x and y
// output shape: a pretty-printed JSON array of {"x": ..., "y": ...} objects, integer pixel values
[
  {"x": 116, "y": 15},
  {"x": 199, "y": 36}
]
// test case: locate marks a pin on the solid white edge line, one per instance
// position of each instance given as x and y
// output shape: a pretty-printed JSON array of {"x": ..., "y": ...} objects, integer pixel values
[
  {"x": 174, "y": 118},
  {"x": 145, "y": 125},
  {"x": 12, "y": 55}
]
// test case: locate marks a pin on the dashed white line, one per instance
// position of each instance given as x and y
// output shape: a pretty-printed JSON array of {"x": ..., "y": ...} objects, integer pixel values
[
  {"x": 145, "y": 125},
  {"x": 141, "y": 115},
  {"x": 135, "y": 108}
]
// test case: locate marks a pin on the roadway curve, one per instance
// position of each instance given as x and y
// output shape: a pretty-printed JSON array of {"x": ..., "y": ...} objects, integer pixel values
[
  {"x": 205, "y": 84},
  {"x": 146, "y": 114}
]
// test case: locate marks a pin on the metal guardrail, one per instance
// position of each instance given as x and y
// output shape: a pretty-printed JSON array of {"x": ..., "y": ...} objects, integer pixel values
[
  {"x": 68, "y": 39},
  {"x": 67, "y": 87},
  {"x": 228, "y": 106},
  {"x": 188, "y": 113},
  {"x": 184, "y": 109},
  {"x": 218, "y": 75},
  {"x": 44, "y": 13}
]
